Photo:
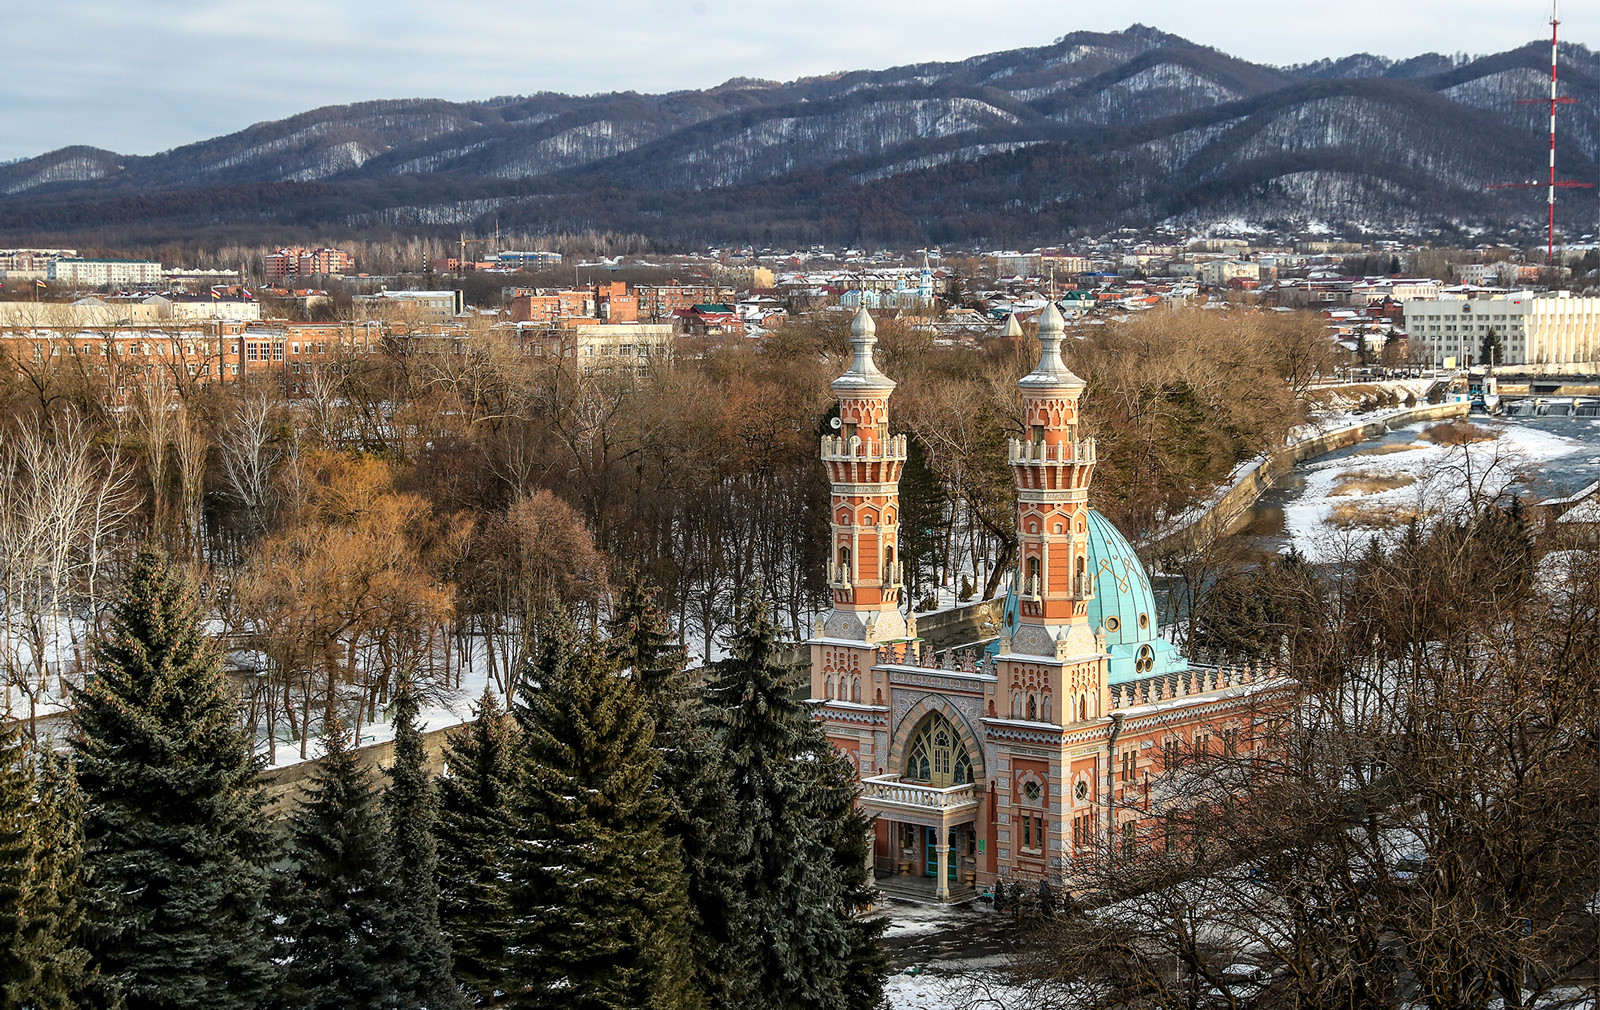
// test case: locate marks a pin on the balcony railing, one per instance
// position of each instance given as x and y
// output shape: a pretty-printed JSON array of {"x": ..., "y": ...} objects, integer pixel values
[
  {"x": 889, "y": 789},
  {"x": 1027, "y": 451},
  {"x": 836, "y": 448}
]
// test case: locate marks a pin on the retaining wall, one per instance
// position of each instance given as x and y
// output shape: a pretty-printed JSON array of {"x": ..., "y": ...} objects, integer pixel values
[
  {"x": 1228, "y": 513},
  {"x": 285, "y": 785}
]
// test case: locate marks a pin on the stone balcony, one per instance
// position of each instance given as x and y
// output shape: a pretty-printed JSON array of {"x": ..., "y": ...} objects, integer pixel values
[
  {"x": 1020, "y": 451},
  {"x": 896, "y": 800},
  {"x": 836, "y": 449}
]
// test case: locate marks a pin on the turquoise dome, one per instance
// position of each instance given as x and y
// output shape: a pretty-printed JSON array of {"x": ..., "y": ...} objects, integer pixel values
[{"x": 1122, "y": 605}]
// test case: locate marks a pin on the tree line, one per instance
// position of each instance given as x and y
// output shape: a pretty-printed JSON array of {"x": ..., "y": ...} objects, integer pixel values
[
  {"x": 401, "y": 520},
  {"x": 623, "y": 837}
]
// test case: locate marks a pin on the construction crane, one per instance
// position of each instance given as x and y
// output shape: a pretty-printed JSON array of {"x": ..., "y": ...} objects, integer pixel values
[
  {"x": 1556, "y": 100},
  {"x": 461, "y": 259}
]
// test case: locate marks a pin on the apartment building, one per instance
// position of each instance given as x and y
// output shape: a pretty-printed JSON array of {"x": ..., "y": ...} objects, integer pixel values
[
  {"x": 1556, "y": 330},
  {"x": 98, "y": 273},
  {"x": 412, "y": 306},
  {"x": 152, "y": 356},
  {"x": 295, "y": 261},
  {"x": 599, "y": 348}
]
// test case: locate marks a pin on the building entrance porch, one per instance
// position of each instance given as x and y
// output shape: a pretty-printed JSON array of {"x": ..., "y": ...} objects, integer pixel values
[{"x": 927, "y": 832}]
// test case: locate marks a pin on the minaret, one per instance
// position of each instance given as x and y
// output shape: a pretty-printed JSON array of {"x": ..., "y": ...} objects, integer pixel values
[
  {"x": 864, "y": 463},
  {"x": 1052, "y": 469}
]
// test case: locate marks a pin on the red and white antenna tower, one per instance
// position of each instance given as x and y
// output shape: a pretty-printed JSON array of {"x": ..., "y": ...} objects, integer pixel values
[{"x": 1555, "y": 100}]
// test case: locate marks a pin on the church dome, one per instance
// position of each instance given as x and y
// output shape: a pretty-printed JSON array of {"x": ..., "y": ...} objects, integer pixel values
[{"x": 1123, "y": 606}]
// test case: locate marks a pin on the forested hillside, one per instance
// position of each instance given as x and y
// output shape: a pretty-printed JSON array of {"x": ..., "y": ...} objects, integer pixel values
[{"x": 1137, "y": 127}]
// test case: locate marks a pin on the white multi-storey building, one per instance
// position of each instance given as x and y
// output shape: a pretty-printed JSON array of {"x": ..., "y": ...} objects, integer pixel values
[
  {"x": 1556, "y": 330},
  {"x": 103, "y": 273}
]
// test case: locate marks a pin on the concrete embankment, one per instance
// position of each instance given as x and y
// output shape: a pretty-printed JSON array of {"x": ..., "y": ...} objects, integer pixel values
[{"x": 1230, "y": 511}]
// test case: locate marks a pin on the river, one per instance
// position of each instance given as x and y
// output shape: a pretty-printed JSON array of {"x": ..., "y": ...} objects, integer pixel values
[{"x": 1383, "y": 479}]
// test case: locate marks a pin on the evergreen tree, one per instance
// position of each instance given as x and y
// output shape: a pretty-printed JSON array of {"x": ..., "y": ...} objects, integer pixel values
[
  {"x": 798, "y": 925},
  {"x": 344, "y": 944},
  {"x": 597, "y": 884},
  {"x": 19, "y": 926},
  {"x": 692, "y": 784},
  {"x": 474, "y": 836},
  {"x": 640, "y": 644},
  {"x": 847, "y": 836},
  {"x": 175, "y": 840},
  {"x": 413, "y": 813},
  {"x": 66, "y": 979}
]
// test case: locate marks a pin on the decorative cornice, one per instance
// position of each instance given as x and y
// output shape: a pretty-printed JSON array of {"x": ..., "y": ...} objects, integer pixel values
[{"x": 938, "y": 680}]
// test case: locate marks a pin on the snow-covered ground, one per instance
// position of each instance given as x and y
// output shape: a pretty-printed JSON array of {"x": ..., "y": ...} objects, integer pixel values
[{"x": 1375, "y": 490}]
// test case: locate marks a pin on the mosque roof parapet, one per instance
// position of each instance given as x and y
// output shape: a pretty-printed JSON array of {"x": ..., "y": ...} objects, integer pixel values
[
  {"x": 863, "y": 376},
  {"x": 1051, "y": 373}
]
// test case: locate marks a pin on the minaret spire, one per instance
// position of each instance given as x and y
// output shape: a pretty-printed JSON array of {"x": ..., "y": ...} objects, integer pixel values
[
  {"x": 864, "y": 463},
  {"x": 1052, "y": 469}
]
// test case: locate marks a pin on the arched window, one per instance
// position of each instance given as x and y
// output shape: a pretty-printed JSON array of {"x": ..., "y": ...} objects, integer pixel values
[
  {"x": 844, "y": 558},
  {"x": 855, "y": 689},
  {"x": 829, "y": 689},
  {"x": 1083, "y": 708},
  {"x": 936, "y": 755},
  {"x": 1044, "y": 707},
  {"x": 888, "y": 563},
  {"x": 1016, "y": 704},
  {"x": 1033, "y": 707}
]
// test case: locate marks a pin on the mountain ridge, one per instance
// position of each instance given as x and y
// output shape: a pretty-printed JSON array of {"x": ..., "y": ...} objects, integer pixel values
[{"x": 1095, "y": 129}]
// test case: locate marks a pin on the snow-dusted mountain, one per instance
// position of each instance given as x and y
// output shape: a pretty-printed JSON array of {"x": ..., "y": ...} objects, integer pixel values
[{"x": 1133, "y": 127}]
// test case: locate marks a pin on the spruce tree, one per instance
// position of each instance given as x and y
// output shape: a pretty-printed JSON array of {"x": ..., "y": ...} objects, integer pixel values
[
  {"x": 43, "y": 966},
  {"x": 344, "y": 945},
  {"x": 847, "y": 837},
  {"x": 640, "y": 644},
  {"x": 19, "y": 926},
  {"x": 798, "y": 925},
  {"x": 66, "y": 979},
  {"x": 176, "y": 845},
  {"x": 474, "y": 836},
  {"x": 693, "y": 786},
  {"x": 412, "y": 810},
  {"x": 597, "y": 884}
]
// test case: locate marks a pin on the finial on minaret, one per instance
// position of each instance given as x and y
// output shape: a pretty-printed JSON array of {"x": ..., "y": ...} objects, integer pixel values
[
  {"x": 863, "y": 374},
  {"x": 1051, "y": 372}
]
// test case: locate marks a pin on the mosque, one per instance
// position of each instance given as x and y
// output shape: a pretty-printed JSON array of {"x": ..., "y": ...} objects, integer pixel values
[{"x": 1021, "y": 761}]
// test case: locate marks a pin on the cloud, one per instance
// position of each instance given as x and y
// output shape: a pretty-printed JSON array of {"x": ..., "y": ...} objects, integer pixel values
[{"x": 142, "y": 77}]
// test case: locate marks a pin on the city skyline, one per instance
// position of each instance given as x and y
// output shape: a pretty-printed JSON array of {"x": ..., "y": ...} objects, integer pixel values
[{"x": 138, "y": 80}]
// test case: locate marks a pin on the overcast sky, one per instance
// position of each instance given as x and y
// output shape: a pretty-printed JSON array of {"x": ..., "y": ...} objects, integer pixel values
[{"x": 148, "y": 75}]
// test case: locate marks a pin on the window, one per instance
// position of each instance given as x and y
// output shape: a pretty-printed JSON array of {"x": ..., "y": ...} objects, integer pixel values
[
  {"x": 1130, "y": 838},
  {"x": 1081, "y": 790},
  {"x": 1202, "y": 743},
  {"x": 1146, "y": 660},
  {"x": 1230, "y": 742},
  {"x": 1130, "y": 765},
  {"x": 294, "y": 348},
  {"x": 936, "y": 755},
  {"x": 1170, "y": 751},
  {"x": 1032, "y": 791},
  {"x": 1032, "y": 828},
  {"x": 1083, "y": 830}
]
